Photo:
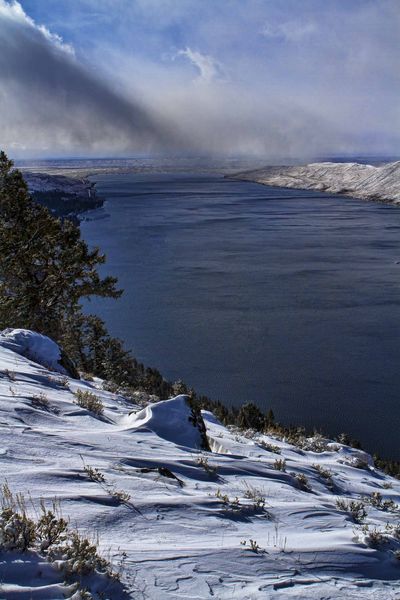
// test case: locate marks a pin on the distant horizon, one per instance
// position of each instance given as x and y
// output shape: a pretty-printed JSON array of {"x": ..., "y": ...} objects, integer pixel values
[{"x": 205, "y": 158}]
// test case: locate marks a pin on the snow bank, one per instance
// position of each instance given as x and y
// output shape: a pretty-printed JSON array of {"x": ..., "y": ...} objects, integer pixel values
[
  {"x": 173, "y": 420},
  {"x": 36, "y": 347}
]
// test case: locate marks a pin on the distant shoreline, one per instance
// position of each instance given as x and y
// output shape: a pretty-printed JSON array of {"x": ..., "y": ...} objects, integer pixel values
[
  {"x": 354, "y": 180},
  {"x": 68, "y": 192}
]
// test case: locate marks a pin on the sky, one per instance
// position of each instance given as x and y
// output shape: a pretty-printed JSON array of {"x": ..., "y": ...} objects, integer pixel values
[{"x": 279, "y": 79}]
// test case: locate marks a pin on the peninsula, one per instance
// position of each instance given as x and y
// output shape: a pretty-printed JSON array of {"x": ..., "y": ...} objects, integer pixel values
[
  {"x": 367, "y": 182},
  {"x": 64, "y": 196}
]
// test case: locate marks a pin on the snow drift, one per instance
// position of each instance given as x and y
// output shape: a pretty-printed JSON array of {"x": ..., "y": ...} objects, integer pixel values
[
  {"x": 173, "y": 420},
  {"x": 38, "y": 348}
]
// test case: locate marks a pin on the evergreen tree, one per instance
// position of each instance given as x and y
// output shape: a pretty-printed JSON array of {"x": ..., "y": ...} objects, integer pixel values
[
  {"x": 88, "y": 343},
  {"x": 45, "y": 266},
  {"x": 251, "y": 417}
]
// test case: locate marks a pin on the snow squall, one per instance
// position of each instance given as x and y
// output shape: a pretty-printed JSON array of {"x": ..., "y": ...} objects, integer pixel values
[{"x": 182, "y": 538}]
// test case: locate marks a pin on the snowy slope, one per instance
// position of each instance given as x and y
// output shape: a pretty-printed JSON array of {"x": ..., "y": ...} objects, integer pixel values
[
  {"x": 350, "y": 179},
  {"x": 184, "y": 526}
]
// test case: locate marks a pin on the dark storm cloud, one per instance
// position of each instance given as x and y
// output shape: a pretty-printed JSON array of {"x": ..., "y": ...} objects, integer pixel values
[{"x": 48, "y": 100}]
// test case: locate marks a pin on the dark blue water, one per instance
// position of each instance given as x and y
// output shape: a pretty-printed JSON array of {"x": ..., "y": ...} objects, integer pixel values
[{"x": 288, "y": 299}]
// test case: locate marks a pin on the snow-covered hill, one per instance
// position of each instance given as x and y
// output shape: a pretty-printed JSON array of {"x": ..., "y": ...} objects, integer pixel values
[
  {"x": 46, "y": 182},
  {"x": 64, "y": 195},
  {"x": 254, "y": 518},
  {"x": 350, "y": 179}
]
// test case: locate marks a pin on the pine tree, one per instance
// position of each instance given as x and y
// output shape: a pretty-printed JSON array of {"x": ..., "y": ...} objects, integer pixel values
[
  {"x": 45, "y": 266},
  {"x": 88, "y": 343},
  {"x": 251, "y": 417}
]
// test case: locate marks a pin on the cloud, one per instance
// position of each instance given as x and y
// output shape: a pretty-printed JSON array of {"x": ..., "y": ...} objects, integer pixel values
[
  {"x": 50, "y": 102},
  {"x": 209, "y": 69},
  {"x": 290, "y": 31},
  {"x": 284, "y": 79}
]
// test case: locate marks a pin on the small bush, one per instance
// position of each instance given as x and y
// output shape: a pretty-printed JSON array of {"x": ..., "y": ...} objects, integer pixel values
[
  {"x": 374, "y": 538},
  {"x": 10, "y": 375},
  {"x": 325, "y": 473},
  {"x": 270, "y": 447},
  {"x": 86, "y": 376},
  {"x": 80, "y": 556},
  {"x": 139, "y": 397},
  {"x": 375, "y": 500},
  {"x": 111, "y": 386},
  {"x": 280, "y": 464},
  {"x": 355, "y": 509},
  {"x": 63, "y": 382},
  {"x": 387, "y": 485},
  {"x": 202, "y": 461},
  {"x": 97, "y": 476},
  {"x": 94, "y": 474},
  {"x": 227, "y": 502},
  {"x": 40, "y": 401},
  {"x": 256, "y": 495},
  {"x": 90, "y": 401},
  {"x": 49, "y": 535},
  {"x": 51, "y": 528},
  {"x": 252, "y": 546},
  {"x": 316, "y": 443},
  {"x": 394, "y": 530},
  {"x": 119, "y": 495},
  {"x": 302, "y": 482},
  {"x": 357, "y": 462},
  {"x": 17, "y": 530}
]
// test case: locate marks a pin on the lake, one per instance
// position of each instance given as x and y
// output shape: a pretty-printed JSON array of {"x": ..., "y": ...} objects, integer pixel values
[{"x": 289, "y": 299}]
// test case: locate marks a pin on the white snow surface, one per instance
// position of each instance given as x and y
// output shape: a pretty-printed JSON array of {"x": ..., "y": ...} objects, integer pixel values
[
  {"x": 367, "y": 182},
  {"x": 181, "y": 536},
  {"x": 35, "y": 346},
  {"x": 170, "y": 420}
]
